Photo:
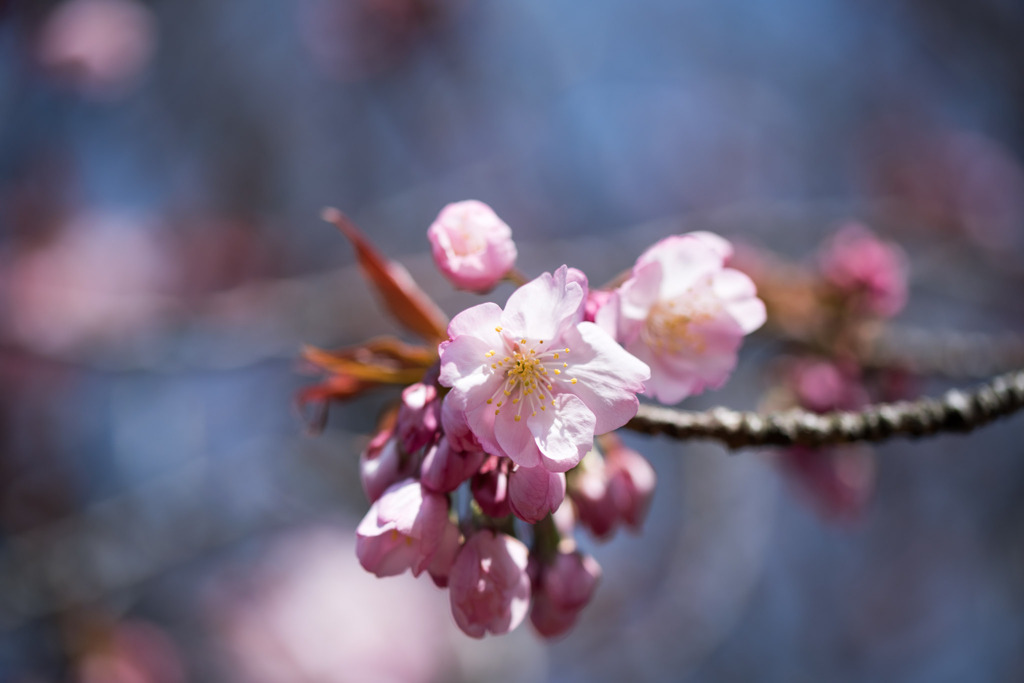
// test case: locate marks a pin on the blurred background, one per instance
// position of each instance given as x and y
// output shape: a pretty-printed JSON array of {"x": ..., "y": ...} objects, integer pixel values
[{"x": 163, "y": 517}]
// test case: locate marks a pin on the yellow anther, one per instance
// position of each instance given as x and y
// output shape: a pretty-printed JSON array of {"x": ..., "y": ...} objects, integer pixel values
[
  {"x": 496, "y": 412},
  {"x": 541, "y": 341},
  {"x": 565, "y": 365},
  {"x": 522, "y": 341},
  {"x": 556, "y": 356},
  {"x": 515, "y": 401},
  {"x": 567, "y": 349},
  {"x": 494, "y": 366},
  {"x": 558, "y": 372},
  {"x": 574, "y": 380},
  {"x": 534, "y": 414},
  {"x": 518, "y": 418},
  {"x": 490, "y": 401},
  {"x": 542, "y": 408},
  {"x": 497, "y": 329}
]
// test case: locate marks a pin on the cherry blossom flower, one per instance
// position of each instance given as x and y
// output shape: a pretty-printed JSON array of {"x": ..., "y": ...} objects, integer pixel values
[
  {"x": 872, "y": 273},
  {"x": 562, "y": 590},
  {"x": 684, "y": 314},
  {"x": 534, "y": 382},
  {"x": 404, "y": 529},
  {"x": 472, "y": 246},
  {"x": 489, "y": 585}
]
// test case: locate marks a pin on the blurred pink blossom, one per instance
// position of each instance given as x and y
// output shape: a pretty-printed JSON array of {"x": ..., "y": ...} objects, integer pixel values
[
  {"x": 684, "y": 314},
  {"x": 101, "y": 279},
  {"x": 562, "y": 589},
  {"x": 472, "y": 247},
  {"x": 871, "y": 273},
  {"x": 133, "y": 652},
  {"x": 838, "y": 481},
  {"x": 306, "y": 611},
  {"x": 489, "y": 584},
  {"x": 101, "y": 46},
  {"x": 631, "y": 482}
]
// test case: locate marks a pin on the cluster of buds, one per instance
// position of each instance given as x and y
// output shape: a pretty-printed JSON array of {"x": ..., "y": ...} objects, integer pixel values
[
  {"x": 503, "y": 441},
  {"x": 860, "y": 279}
]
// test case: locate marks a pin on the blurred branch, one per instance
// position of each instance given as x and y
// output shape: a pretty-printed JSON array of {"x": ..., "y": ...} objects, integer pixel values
[{"x": 956, "y": 411}]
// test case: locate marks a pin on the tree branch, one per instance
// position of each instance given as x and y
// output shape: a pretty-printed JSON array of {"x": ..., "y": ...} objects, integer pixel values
[{"x": 956, "y": 411}]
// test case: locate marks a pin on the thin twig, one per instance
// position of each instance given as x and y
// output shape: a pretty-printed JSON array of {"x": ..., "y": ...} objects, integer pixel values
[{"x": 956, "y": 411}]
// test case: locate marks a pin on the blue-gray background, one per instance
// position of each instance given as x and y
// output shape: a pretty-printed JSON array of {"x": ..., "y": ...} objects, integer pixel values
[{"x": 161, "y": 261}]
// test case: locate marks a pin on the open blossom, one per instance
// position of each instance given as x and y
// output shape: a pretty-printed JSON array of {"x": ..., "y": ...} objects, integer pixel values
[
  {"x": 405, "y": 529},
  {"x": 684, "y": 314},
  {"x": 534, "y": 382},
  {"x": 872, "y": 272},
  {"x": 489, "y": 585},
  {"x": 472, "y": 246}
]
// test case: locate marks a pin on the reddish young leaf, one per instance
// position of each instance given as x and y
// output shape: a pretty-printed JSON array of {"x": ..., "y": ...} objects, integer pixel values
[{"x": 402, "y": 296}]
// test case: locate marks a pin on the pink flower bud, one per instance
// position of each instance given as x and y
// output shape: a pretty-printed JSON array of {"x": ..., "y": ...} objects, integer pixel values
[
  {"x": 588, "y": 489},
  {"x": 489, "y": 585},
  {"x": 444, "y": 468},
  {"x": 533, "y": 492},
  {"x": 419, "y": 416},
  {"x": 383, "y": 464},
  {"x": 490, "y": 487},
  {"x": 631, "y": 481},
  {"x": 456, "y": 427},
  {"x": 444, "y": 558},
  {"x": 564, "y": 588},
  {"x": 822, "y": 386},
  {"x": 472, "y": 247},
  {"x": 403, "y": 530},
  {"x": 871, "y": 272},
  {"x": 838, "y": 481}
]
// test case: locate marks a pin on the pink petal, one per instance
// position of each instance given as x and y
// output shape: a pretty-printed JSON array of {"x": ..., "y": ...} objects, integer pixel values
[
  {"x": 563, "y": 433},
  {"x": 544, "y": 307},
  {"x": 608, "y": 377}
]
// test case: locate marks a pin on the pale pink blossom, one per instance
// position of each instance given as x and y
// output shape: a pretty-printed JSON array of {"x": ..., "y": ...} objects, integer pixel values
[
  {"x": 101, "y": 46},
  {"x": 533, "y": 381},
  {"x": 684, "y": 314},
  {"x": 872, "y": 273},
  {"x": 444, "y": 467},
  {"x": 563, "y": 589},
  {"x": 489, "y": 585},
  {"x": 404, "y": 529},
  {"x": 472, "y": 247},
  {"x": 534, "y": 492},
  {"x": 823, "y": 386}
]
